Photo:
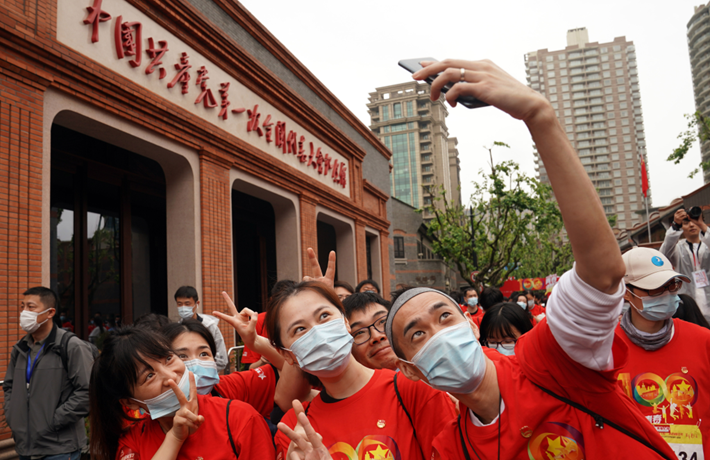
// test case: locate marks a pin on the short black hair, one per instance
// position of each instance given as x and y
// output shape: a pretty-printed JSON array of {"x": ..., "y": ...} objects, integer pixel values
[
  {"x": 281, "y": 285},
  {"x": 501, "y": 318},
  {"x": 465, "y": 289},
  {"x": 172, "y": 330},
  {"x": 47, "y": 296},
  {"x": 489, "y": 297},
  {"x": 361, "y": 300},
  {"x": 187, "y": 292},
  {"x": 345, "y": 285},
  {"x": 152, "y": 321},
  {"x": 364, "y": 282}
]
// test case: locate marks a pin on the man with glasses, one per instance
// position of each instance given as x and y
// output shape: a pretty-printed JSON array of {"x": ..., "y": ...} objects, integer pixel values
[
  {"x": 668, "y": 369},
  {"x": 367, "y": 315}
]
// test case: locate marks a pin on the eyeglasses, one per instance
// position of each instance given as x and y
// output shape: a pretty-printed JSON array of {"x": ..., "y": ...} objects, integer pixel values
[
  {"x": 672, "y": 286},
  {"x": 363, "y": 334},
  {"x": 506, "y": 345}
]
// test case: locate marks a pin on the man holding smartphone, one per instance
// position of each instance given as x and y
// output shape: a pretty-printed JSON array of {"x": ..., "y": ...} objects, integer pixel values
[{"x": 686, "y": 246}]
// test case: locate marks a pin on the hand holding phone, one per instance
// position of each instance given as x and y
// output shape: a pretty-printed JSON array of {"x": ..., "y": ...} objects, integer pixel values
[{"x": 414, "y": 65}]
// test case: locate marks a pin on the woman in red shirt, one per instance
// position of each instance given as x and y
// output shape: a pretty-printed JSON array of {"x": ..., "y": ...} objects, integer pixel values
[{"x": 138, "y": 369}]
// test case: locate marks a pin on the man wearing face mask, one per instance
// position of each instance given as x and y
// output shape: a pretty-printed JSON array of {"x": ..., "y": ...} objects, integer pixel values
[
  {"x": 46, "y": 402},
  {"x": 668, "y": 369},
  {"x": 188, "y": 303},
  {"x": 470, "y": 304}
]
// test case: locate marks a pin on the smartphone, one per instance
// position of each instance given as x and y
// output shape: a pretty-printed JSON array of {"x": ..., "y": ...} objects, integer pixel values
[{"x": 413, "y": 65}]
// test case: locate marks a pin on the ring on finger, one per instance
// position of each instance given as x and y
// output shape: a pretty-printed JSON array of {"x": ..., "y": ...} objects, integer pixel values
[{"x": 463, "y": 74}]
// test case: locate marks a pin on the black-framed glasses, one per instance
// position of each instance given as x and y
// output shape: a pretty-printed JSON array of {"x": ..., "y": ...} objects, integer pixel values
[
  {"x": 672, "y": 286},
  {"x": 363, "y": 334},
  {"x": 506, "y": 345}
]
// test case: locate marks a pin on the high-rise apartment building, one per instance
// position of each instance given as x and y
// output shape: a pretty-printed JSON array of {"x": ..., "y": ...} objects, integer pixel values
[
  {"x": 424, "y": 157},
  {"x": 699, "y": 48},
  {"x": 594, "y": 89}
]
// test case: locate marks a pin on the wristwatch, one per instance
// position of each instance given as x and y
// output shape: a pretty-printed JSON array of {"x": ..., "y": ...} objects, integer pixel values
[{"x": 675, "y": 226}]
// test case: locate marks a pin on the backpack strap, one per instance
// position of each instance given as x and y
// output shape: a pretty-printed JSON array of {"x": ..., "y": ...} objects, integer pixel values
[
  {"x": 600, "y": 421},
  {"x": 63, "y": 349},
  {"x": 229, "y": 432},
  {"x": 401, "y": 403}
]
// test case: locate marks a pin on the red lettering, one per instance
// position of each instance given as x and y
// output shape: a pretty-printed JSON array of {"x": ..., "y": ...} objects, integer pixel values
[
  {"x": 301, "y": 150},
  {"x": 253, "y": 124},
  {"x": 311, "y": 156},
  {"x": 280, "y": 133},
  {"x": 206, "y": 96},
  {"x": 96, "y": 16},
  {"x": 291, "y": 142},
  {"x": 336, "y": 167},
  {"x": 182, "y": 76},
  {"x": 343, "y": 175},
  {"x": 156, "y": 54},
  {"x": 318, "y": 164},
  {"x": 224, "y": 95},
  {"x": 326, "y": 164},
  {"x": 126, "y": 43},
  {"x": 267, "y": 125}
]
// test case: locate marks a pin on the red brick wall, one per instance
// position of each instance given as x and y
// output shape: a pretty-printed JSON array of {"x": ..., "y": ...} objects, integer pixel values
[
  {"x": 309, "y": 231},
  {"x": 216, "y": 210},
  {"x": 361, "y": 251},
  {"x": 20, "y": 203}
]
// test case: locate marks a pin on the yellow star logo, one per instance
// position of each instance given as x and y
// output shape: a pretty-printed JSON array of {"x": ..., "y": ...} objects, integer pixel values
[
  {"x": 684, "y": 387},
  {"x": 554, "y": 446},
  {"x": 379, "y": 454}
]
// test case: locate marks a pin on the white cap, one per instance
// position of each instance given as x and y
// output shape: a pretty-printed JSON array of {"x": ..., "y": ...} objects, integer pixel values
[{"x": 648, "y": 269}]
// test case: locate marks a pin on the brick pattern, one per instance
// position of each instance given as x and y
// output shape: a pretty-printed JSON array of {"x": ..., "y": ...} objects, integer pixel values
[
  {"x": 215, "y": 202},
  {"x": 309, "y": 231},
  {"x": 20, "y": 205},
  {"x": 361, "y": 251}
]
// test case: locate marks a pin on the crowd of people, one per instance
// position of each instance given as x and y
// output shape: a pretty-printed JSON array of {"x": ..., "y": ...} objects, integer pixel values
[{"x": 613, "y": 363}]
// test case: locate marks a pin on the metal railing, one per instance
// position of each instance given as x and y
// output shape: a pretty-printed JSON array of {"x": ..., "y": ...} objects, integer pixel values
[{"x": 237, "y": 359}]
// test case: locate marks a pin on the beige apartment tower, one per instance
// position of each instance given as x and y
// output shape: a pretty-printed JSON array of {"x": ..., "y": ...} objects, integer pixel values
[
  {"x": 698, "y": 46},
  {"x": 594, "y": 89},
  {"x": 424, "y": 157}
]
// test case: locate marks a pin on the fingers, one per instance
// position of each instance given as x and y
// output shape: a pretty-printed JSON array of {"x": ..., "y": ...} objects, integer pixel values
[
  {"x": 297, "y": 407},
  {"x": 178, "y": 392},
  {"x": 315, "y": 266},
  {"x": 193, "y": 387},
  {"x": 330, "y": 271},
  {"x": 232, "y": 308},
  {"x": 314, "y": 438},
  {"x": 295, "y": 438}
]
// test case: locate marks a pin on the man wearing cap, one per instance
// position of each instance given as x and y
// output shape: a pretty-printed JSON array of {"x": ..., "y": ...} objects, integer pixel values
[
  {"x": 667, "y": 374},
  {"x": 558, "y": 397}
]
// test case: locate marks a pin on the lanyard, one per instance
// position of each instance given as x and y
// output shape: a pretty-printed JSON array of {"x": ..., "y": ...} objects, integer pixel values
[
  {"x": 31, "y": 368},
  {"x": 696, "y": 262},
  {"x": 463, "y": 443}
]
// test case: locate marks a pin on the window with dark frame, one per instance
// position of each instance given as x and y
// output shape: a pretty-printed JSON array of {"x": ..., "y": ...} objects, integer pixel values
[{"x": 399, "y": 247}]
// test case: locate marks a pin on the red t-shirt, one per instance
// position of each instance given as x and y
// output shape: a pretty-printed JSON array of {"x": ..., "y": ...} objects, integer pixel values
[
  {"x": 478, "y": 316},
  {"x": 536, "y": 426},
  {"x": 250, "y": 433},
  {"x": 669, "y": 386},
  {"x": 372, "y": 424},
  {"x": 250, "y": 356},
  {"x": 255, "y": 387}
]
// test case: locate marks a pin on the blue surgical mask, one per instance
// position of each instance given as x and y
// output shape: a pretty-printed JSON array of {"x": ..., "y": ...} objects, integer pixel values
[
  {"x": 472, "y": 301},
  {"x": 507, "y": 349},
  {"x": 186, "y": 312},
  {"x": 167, "y": 402},
  {"x": 523, "y": 305},
  {"x": 206, "y": 375},
  {"x": 324, "y": 351},
  {"x": 452, "y": 360},
  {"x": 659, "y": 308}
]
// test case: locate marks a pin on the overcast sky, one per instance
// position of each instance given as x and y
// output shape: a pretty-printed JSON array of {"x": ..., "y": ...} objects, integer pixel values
[{"x": 354, "y": 48}]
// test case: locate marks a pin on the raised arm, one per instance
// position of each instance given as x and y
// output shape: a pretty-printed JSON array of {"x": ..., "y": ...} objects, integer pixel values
[{"x": 596, "y": 252}]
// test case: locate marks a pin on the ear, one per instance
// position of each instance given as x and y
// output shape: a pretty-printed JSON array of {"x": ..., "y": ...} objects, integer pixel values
[
  {"x": 131, "y": 404},
  {"x": 52, "y": 312},
  {"x": 288, "y": 357},
  {"x": 410, "y": 371},
  {"x": 347, "y": 326}
]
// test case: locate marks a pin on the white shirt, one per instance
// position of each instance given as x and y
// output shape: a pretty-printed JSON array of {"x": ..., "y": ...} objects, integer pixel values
[{"x": 210, "y": 322}]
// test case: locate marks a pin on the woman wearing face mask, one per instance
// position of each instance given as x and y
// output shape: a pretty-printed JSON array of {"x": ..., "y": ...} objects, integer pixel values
[
  {"x": 502, "y": 325},
  {"x": 358, "y": 407},
  {"x": 535, "y": 312},
  {"x": 138, "y": 369}
]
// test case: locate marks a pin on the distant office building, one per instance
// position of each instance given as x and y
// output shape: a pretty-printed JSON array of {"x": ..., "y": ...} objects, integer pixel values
[
  {"x": 698, "y": 44},
  {"x": 594, "y": 89},
  {"x": 413, "y": 127}
]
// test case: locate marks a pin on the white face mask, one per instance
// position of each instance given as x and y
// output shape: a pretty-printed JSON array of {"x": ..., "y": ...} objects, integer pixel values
[
  {"x": 186, "y": 312},
  {"x": 28, "y": 320}
]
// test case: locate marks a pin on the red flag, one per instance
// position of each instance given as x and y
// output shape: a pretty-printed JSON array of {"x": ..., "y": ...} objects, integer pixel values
[{"x": 644, "y": 177}]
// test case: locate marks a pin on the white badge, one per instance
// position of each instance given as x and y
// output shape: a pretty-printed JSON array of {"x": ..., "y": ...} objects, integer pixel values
[
  {"x": 685, "y": 440},
  {"x": 701, "y": 278}
]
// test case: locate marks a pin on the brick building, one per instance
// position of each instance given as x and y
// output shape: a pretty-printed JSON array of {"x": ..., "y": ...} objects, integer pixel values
[{"x": 145, "y": 145}]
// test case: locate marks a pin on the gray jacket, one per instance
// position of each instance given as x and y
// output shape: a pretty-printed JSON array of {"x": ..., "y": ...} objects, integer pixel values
[
  {"x": 48, "y": 417},
  {"x": 678, "y": 252}
]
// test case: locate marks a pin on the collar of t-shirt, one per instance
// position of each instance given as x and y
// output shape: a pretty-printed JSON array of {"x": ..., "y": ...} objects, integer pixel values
[
  {"x": 328, "y": 399},
  {"x": 477, "y": 422}
]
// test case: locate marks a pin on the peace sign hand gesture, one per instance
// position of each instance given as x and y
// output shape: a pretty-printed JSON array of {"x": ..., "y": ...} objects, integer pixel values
[
  {"x": 186, "y": 420},
  {"x": 306, "y": 444},
  {"x": 329, "y": 278},
  {"x": 243, "y": 322}
]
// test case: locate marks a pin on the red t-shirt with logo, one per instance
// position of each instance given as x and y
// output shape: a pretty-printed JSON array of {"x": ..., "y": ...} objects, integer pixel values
[
  {"x": 536, "y": 426},
  {"x": 372, "y": 424},
  {"x": 255, "y": 387},
  {"x": 250, "y": 356},
  {"x": 250, "y": 433},
  {"x": 670, "y": 387}
]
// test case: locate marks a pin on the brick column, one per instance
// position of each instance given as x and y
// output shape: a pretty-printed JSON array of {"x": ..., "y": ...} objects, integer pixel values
[
  {"x": 216, "y": 226},
  {"x": 21, "y": 185},
  {"x": 361, "y": 250},
  {"x": 386, "y": 245},
  {"x": 309, "y": 231}
]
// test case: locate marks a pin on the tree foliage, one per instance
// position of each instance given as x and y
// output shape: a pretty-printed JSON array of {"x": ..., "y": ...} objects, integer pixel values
[
  {"x": 513, "y": 228},
  {"x": 698, "y": 130}
]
